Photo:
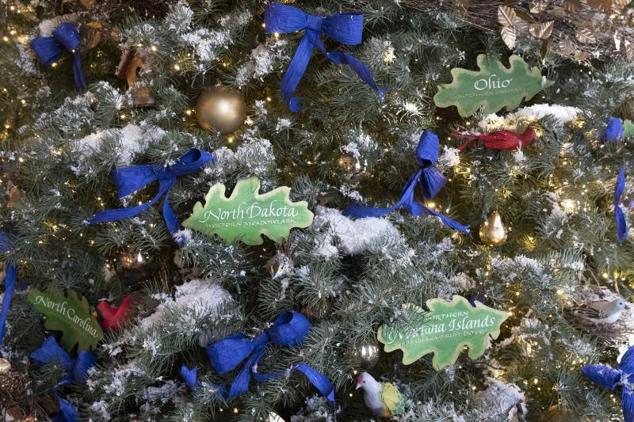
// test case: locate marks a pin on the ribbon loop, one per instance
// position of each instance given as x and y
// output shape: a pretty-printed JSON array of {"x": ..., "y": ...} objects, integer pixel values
[
  {"x": 428, "y": 177},
  {"x": 345, "y": 28},
  {"x": 131, "y": 179},
  {"x": 289, "y": 329},
  {"x": 50, "y": 49}
]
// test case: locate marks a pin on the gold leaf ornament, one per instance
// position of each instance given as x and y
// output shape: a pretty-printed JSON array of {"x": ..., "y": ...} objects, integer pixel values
[
  {"x": 507, "y": 18},
  {"x": 541, "y": 30},
  {"x": 585, "y": 36}
]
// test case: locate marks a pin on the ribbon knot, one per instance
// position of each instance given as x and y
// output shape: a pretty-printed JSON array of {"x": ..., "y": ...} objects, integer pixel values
[
  {"x": 313, "y": 23},
  {"x": 428, "y": 177},
  {"x": 130, "y": 179},
  {"x": 289, "y": 330},
  {"x": 346, "y": 28},
  {"x": 50, "y": 49}
]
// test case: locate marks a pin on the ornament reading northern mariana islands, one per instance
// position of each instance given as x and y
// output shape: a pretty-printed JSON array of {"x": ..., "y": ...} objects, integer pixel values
[
  {"x": 247, "y": 215},
  {"x": 444, "y": 330},
  {"x": 493, "y": 87}
]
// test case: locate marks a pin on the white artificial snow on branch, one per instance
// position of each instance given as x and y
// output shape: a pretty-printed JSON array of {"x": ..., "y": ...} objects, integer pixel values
[
  {"x": 194, "y": 298},
  {"x": 351, "y": 236},
  {"x": 130, "y": 139},
  {"x": 561, "y": 114}
]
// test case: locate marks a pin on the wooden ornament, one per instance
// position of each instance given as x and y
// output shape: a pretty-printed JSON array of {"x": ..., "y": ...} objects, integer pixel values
[{"x": 133, "y": 61}]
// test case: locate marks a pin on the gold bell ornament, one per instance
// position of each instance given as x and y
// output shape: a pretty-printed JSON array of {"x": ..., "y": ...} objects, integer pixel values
[
  {"x": 493, "y": 232},
  {"x": 221, "y": 108}
]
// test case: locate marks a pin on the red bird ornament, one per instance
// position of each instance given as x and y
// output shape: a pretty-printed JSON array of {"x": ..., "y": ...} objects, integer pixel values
[
  {"x": 113, "y": 317},
  {"x": 503, "y": 140}
]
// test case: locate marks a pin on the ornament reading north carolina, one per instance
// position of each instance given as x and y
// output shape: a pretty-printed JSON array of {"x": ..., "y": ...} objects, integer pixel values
[
  {"x": 247, "y": 215},
  {"x": 443, "y": 331},
  {"x": 493, "y": 87}
]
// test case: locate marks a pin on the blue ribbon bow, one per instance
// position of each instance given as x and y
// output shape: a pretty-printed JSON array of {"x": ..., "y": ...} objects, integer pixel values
[
  {"x": 9, "y": 287},
  {"x": 289, "y": 329},
  {"x": 50, "y": 352},
  {"x": 619, "y": 188},
  {"x": 76, "y": 369},
  {"x": 430, "y": 179},
  {"x": 130, "y": 179},
  {"x": 50, "y": 49},
  {"x": 611, "y": 378},
  {"x": 346, "y": 28}
]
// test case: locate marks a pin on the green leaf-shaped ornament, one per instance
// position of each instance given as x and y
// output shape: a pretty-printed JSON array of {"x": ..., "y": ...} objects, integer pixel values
[
  {"x": 443, "y": 331},
  {"x": 69, "y": 314},
  {"x": 493, "y": 87},
  {"x": 246, "y": 215}
]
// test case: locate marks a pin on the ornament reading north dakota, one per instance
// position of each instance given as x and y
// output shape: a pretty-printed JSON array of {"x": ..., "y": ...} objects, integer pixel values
[
  {"x": 443, "y": 330},
  {"x": 69, "y": 314},
  {"x": 493, "y": 87},
  {"x": 246, "y": 215}
]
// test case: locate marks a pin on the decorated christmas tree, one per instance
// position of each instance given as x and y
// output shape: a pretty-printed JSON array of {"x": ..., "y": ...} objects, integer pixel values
[{"x": 317, "y": 211}]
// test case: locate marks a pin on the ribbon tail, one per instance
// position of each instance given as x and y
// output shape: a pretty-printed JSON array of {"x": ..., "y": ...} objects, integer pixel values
[
  {"x": 169, "y": 217},
  {"x": 449, "y": 222},
  {"x": 67, "y": 412},
  {"x": 116, "y": 214},
  {"x": 432, "y": 182},
  {"x": 78, "y": 74},
  {"x": 359, "y": 68},
  {"x": 296, "y": 70},
  {"x": 241, "y": 382},
  {"x": 9, "y": 288},
  {"x": 406, "y": 200},
  {"x": 318, "y": 380},
  {"x": 364, "y": 211},
  {"x": 621, "y": 225}
]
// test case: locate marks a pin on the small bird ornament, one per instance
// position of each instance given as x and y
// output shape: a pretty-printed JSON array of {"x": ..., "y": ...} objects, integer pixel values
[
  {"x": 503, "y": 140},
  {"x": 601, "y": 311},
  {"x": 383, "y": 399}
]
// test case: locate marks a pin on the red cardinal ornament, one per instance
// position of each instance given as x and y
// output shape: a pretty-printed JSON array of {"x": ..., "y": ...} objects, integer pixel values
[
  {"x": 503, "y": 140},
  {"x": 113, "y": 317}
]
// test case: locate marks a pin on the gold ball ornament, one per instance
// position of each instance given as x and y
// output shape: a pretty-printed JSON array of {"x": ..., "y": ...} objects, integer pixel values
[
  {"x": 367, "y": 353},
  {"x": 221, "y": 108},
  {"x": 5, "y": 366},
  {"x": 493, "y": 232}
]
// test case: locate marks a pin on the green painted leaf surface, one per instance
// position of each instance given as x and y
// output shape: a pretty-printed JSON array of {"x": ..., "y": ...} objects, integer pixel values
[
  {"x": 69, "y": 314},
  {"x": 493, "y": 87},
  {"x": 628, "y": 128},
  {"x": 444, "y": 330},
  {"x": 247, "y": 215}
]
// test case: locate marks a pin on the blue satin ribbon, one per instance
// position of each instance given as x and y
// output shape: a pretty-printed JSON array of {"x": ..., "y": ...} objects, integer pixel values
[
  {"x": 619, "y": 188},
  {"x": 346, "y": 28},
  {"x": 50, "y": 352},
  {"x": 50, "y": 49},
  {"x": 67, "y": 412},
  {"x": 289, "y": 329},
  {"x": 614, "y": 131},
  {"x": 130, "y": 179},
  {"x": 610, "y": 379},
  {"x": 428, "y": 177},
  {"x": 9, "y": 287}
]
